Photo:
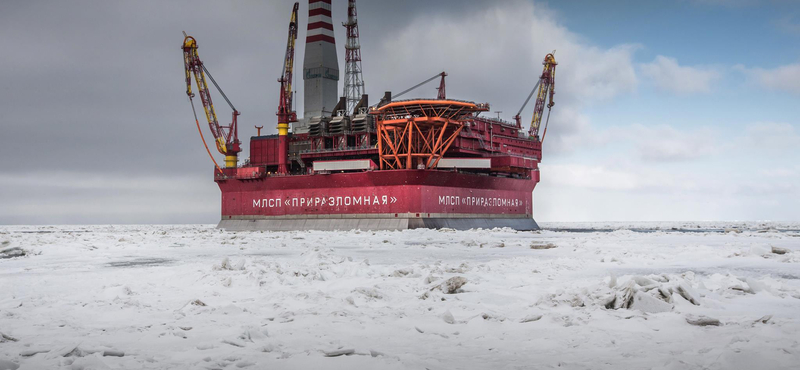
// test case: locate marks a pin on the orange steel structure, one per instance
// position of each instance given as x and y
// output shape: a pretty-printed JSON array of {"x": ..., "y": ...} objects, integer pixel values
[{"x": 417, "y": 133}]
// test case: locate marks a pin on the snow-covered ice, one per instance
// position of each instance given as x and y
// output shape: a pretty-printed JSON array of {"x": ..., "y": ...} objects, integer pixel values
[{"x": 574, "y": 296}]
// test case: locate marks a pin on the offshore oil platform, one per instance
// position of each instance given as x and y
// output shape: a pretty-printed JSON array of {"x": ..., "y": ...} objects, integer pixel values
[{"x": 397, "y": 164}]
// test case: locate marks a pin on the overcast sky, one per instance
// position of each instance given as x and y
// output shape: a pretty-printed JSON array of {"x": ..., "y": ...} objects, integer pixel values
[{"x": 670, "y": 110}]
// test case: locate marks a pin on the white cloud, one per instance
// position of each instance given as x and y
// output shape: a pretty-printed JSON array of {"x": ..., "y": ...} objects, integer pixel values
[
  {"x": 664, "y": 143},
  {"x": 652, "y": 143},
  {"x": 618, "y": 177},
  {"x": 781, "y": 173},
  {"x": 592, "y": 177},
  {"x": 773, "y": 136},
  {"x": 783, "y": 78},
  {"x": 639, "y": 172},
  {"x": 668, "y": 75}
]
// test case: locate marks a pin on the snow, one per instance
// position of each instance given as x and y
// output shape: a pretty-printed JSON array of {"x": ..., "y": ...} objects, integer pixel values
[{"x": 679, "y": 295}]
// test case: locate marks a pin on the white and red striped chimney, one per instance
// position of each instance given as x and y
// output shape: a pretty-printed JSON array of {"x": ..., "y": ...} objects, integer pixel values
[{"x": 321, "y": 65}]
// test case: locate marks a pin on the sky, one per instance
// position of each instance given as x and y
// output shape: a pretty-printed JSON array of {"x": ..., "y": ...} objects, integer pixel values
[{"x": 665, "y": 111}]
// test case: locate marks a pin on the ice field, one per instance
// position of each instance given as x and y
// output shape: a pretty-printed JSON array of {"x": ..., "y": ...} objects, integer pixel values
[{"x": 574, "y": 296}]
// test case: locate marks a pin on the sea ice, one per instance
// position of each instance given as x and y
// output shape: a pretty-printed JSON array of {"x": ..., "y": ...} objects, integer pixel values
[{"x": 681, "y": 295}]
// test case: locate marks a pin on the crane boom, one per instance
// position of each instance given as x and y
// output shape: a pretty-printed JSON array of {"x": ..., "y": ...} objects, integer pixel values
[
  {"x": 285, "y": 103},
  {"x": 546, "y": 88},
  {"x": 285, "y": 112},
  {"x": 440, "y": 95},
  {"x": 518, "y": 117},
  {"x": 225, "y": 137}
]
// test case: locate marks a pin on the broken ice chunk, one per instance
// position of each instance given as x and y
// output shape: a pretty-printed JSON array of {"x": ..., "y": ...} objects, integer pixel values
[
  {"x": 531, "y": 318},
  {"x": 451, "y": 285},
  {"x": 702, "y": 321},
  {"x": 542, "y": 245},
  {"x": 764, "y": 319},
  {"x": 647, "y": 303},
  {"x": 448, "y": 317},
  {"x": 779, "y": 250},
  {"x": 339, "y": 352},
  {"x": 7, "y": 338},
  {"x": 12, "y": 252},
  {"x": 687, "y": 292}
]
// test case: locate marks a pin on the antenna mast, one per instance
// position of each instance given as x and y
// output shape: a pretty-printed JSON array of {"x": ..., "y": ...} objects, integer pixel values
[{"x": 354, "y": 82}]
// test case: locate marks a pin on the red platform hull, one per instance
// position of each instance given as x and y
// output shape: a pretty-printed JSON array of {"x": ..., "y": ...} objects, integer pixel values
[{"x": 395, "y": 199}]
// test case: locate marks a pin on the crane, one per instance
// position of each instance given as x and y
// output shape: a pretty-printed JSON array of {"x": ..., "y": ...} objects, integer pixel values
[
  {"x": 546, "y": 88},
  {"x": 226, "y": 138},
  {"x": 285, "y": 113}
]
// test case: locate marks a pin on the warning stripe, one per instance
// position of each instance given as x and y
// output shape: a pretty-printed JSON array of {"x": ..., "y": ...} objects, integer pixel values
[
  {"x": 319, "y": 11},
  {"x": 316, "y": 25},
  {"x": 324, "y": 38},
  {"x": 320, "y": 31},
  {"x": 320, "y": 18}
]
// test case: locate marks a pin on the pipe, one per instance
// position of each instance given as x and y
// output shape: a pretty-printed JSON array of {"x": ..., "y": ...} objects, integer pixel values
[{"x": 283, "y": 147}]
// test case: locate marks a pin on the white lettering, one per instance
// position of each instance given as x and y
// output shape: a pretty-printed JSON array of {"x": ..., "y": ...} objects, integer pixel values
[{"x": 376, "y": 200}]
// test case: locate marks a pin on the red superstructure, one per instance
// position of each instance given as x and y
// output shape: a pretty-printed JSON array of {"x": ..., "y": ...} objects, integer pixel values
[
  {"x": 426, "y": 163},
  {"x": 394, "y": 165}
]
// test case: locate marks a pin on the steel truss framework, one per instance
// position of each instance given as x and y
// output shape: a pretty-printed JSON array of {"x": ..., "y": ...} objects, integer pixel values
[{"x": 417, "y": 133}]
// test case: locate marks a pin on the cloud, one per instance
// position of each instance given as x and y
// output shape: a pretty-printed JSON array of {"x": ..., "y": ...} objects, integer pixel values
[
  {"x": 773, "y": 136},
  {"x": 781, "y": 172},
  {"x": 788, "y": 25},
  {"x": 618, "y": 177},
  {"x": 88, "y": 197},
  {"x": 93, "y": 181},
  {"x": 592, "y": 177},
  {"x": 648, "y": 143},
  {"x": 664, "y": 143},
  {"x": 639, "y": 172},
  {"x": 783, "y": 78},
  {"x": 669, "y": 76}
]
